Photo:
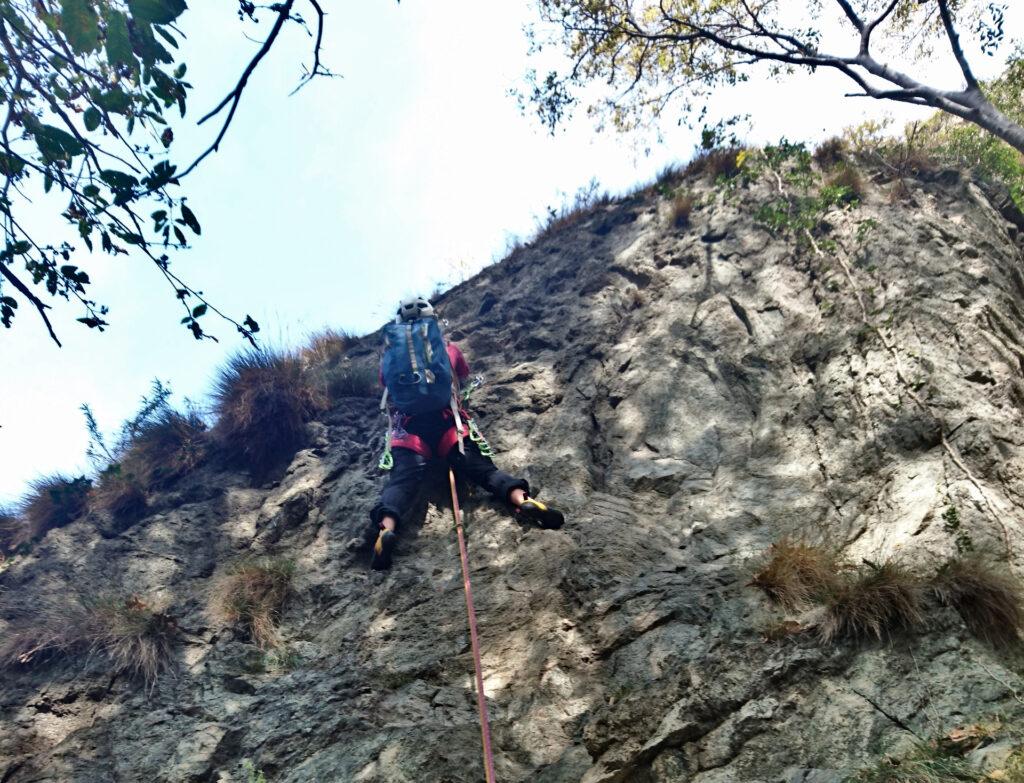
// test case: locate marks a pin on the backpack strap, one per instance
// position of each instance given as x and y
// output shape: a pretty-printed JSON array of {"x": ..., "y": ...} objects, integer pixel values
[{"x": 454, "y": 402}]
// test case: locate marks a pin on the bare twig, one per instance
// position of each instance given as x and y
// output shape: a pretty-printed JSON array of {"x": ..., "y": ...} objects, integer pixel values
[{"x": 232, "y": 99}]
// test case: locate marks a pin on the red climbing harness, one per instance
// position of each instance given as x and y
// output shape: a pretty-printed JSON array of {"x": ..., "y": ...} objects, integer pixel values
[{"x": 481, "y": 698}]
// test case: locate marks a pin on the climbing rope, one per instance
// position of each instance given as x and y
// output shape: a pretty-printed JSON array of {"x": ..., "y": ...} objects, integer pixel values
[{"x": 481, "y": 698}]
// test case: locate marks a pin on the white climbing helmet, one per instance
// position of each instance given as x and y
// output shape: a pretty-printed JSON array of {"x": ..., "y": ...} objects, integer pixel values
[{"x": 416, "y": 307}]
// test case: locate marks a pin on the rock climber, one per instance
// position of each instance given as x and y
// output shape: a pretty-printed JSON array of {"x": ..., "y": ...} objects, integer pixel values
[{"x": 422, "y": 374}]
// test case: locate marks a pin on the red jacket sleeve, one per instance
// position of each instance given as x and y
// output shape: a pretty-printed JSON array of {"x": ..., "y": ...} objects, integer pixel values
[{"x": 458, "y": 361}]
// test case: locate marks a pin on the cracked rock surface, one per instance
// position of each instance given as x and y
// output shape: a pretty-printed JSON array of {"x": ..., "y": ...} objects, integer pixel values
[{"x": 688, "y": 396}]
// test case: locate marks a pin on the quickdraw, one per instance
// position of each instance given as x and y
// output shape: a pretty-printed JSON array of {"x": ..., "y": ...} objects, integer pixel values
[{"x": 478, "y": 438}]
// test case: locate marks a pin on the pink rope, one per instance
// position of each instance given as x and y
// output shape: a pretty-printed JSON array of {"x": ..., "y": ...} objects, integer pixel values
[{"x": 481, "y": 699}]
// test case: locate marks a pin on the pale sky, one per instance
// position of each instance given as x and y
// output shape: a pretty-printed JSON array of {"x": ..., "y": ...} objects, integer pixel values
[{"x": 412, "y": 169}]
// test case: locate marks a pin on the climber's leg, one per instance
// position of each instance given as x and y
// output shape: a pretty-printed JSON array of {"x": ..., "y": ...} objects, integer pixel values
[{"x": 395, "y": 500}]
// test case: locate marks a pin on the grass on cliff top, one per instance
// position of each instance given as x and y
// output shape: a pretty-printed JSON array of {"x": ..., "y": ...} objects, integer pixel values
[
  {"x": 263, "y": 400},
  {"x": 253, "y": 594},
  {"x": 11, "y": 531},
  {"x": 53, "y": 502},
  {"x": 129, "y": 633}
]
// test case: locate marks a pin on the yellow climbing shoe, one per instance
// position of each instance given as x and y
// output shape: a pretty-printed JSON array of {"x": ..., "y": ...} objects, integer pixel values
[
  {"x": 382, "y": 550},
  {"x": 545, "y": 516}
]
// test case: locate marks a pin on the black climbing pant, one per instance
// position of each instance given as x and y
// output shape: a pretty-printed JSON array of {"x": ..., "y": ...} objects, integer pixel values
[{"x": 410, "y": 468}]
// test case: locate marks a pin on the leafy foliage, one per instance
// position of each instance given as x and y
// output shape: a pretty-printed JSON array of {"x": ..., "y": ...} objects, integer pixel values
[
  {"x": 92, "y": 91},
  {"x": 953, "y": 527},
  {"x": 262, "y": 400},
  {"x": 637, "y": 62},
  {"x": 964, "y": 144}
]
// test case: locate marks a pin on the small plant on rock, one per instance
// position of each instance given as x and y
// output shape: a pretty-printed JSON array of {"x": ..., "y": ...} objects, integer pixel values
[
  {"x": 954, "y": 528},
  {"x": 252, "y": 594},
  {"x": 990, "y": 601},
  {"x": 795, "y": 573},
  {"x": 252, "y": 773},
  {"x": 682, "y": 206},
  {"x": 831, "y": 152},
  {"x": 263, "y": 400},
  {"x": 848, "y": 183}
]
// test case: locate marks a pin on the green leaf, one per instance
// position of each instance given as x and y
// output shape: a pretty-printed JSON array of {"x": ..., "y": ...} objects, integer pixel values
[
  {"x": 179, "y": 236},
  {"x": 156, "y": 11},
  {"x": 146, "y": 46},
  {"x": 116, "y": 101},
  {"x": 167, "y": 36},
  {"x": 11, "y": 165},
  {"x": 198, "y": 311},
  {"x": 190, "y": 219},
  {"x": 118, "y": 180},
  {"x": 119, "y": 46},
  {"x": 91, "y": 191},
  {"x": 91, "y": 118},
  {"x": 55, "y": 144},
  {"x": 80, "y": 25}
]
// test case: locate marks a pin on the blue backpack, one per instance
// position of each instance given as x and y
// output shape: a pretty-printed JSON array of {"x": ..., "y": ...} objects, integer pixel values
[{"x": 416, "y": 368}]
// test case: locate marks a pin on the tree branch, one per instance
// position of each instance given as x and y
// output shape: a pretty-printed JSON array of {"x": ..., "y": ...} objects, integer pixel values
[
  {"x": 954, "y": 42},
  {"x": 233, "y": 98},
  {"x": 36, "y": 302}
]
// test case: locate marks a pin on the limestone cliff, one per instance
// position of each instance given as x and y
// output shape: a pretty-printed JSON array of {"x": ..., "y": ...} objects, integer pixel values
[{"x": 689, "y": 395}]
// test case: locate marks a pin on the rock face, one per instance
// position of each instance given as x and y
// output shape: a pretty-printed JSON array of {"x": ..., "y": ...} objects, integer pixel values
[{"x": 688, "y": 395}]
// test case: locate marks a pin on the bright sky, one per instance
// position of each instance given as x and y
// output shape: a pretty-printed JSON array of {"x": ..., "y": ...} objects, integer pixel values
[{"x": 324, "y": 208}]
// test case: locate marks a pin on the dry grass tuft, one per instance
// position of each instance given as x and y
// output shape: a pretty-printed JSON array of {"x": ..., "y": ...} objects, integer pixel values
[
  {"x": 682, "y": 206},
  {"x": 327, "y": 346},
  {"x": 12, "y": 531},
  {"x": 54, "y": 501},
  {"x": 990, "y": 602},
  {"x": 358, "y": 379},
  {"x": 849, "y": 179},
  {"x": 715, "y": 163},
  {"x": 796, "y": 573},
  {"x": 831, "y": 152},
  {"x": 881, "y": 599},
  {"x": 131, "y": 635},
  {"x": 263, "y": 400},
  {"x": 252, "y": 594},
  {"x": 899, "y": 191}
]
